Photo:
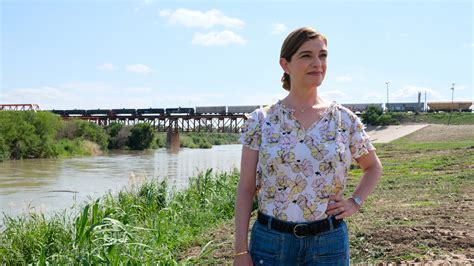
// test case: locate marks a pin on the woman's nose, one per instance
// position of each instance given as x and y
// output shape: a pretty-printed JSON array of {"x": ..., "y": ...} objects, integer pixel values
[{"x": 317, "y": 61}]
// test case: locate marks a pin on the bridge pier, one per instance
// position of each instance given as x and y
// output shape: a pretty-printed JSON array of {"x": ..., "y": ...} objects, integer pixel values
[{"x": 172, "y": 140}]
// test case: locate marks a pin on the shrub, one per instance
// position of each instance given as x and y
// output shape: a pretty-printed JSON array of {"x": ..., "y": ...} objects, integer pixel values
[
  {"x": 84, "y": 129},
  {"x": 118, "y": 135},
  {"x": 28, "y": 134},
  {"x": 141, "y": 137},
  {"x": 4, "y": 150}
]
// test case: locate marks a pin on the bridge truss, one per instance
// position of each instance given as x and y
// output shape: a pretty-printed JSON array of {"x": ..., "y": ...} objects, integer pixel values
[{"x": 176, "y": 123}]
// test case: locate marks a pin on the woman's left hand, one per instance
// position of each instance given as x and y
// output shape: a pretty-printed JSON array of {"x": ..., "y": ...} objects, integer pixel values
[{"x": 341, "y": 207}]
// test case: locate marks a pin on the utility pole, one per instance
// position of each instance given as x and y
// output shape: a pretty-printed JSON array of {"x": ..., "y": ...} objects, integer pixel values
[
  {"x": 386, "y": 105},
  {"x": 425, "y": 106},
  {"x": 452, "y": 103}
]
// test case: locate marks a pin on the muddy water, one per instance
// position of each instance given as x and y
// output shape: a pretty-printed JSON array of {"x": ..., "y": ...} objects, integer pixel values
[{"x": 49, "y": 185}]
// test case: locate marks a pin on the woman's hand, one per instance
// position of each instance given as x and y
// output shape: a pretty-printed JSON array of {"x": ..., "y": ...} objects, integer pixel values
[
  {"x": 244, "y": 259},
  {"x": 341, "y": 208}
]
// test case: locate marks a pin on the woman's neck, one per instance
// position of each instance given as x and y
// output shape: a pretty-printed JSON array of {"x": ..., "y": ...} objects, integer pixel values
[{"x": 304, "y": 99}]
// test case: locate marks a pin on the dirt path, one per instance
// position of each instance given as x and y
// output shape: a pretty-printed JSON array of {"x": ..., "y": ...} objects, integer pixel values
[{"x": 385, "y": 134}]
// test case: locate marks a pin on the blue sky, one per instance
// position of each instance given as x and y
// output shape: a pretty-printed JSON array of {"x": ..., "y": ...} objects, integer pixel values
[{"x": 140, "y": 54}]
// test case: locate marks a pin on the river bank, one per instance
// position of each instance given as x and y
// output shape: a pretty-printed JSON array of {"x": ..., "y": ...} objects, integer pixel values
[
  {"x": 432, "y": 221},
  {"x": 29, "y": 135}
]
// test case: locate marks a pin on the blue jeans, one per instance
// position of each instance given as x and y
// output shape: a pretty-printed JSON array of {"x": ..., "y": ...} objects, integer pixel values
[{"x": 271, "y": 247}]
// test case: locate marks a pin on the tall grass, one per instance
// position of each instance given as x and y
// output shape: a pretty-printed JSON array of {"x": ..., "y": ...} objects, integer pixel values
[{"x": 150, "y": 223}]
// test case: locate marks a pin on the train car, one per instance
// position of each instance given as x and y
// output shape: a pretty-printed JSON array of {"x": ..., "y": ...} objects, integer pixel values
[
  {"x": 460, "y": 106},
  {"x": 241, "y": 109},
  {"x": 124, "y": 111},
  {"x": 359, "y": 108},
  {"x": 58, "y": 112},
  {"x": 180, "y": 111},
  {"x": 151, "y": 111},
  {"x": 404, "y": 107},
  {"x": 75, "y": 112},
  {"x": 211, "y": 110},
  {"x": 356, "y": 107},
  {"x": 98, "y": 112}
]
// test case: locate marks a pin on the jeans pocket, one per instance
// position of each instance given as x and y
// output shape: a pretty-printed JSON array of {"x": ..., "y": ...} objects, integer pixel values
[
  {"x": 265, "y": 245},
  {"x": 333, "y": 247}
]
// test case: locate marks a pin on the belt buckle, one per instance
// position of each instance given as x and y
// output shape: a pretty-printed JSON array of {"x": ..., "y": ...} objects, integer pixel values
[{"x": 294, "y": 230}]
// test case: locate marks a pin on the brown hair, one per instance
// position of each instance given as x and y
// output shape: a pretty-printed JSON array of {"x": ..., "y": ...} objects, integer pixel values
[{"x": 292, "y": 43}]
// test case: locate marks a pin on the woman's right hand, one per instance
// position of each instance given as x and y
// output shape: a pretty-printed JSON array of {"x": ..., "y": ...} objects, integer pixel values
[{"x": 244, "y": 259}]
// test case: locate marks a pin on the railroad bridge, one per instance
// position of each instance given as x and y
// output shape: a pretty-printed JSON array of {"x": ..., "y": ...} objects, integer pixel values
[{"x": 220, "y": 119}]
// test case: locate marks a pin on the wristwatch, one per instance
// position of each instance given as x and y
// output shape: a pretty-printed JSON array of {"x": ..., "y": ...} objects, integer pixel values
[{"x": 357, "y": 200}]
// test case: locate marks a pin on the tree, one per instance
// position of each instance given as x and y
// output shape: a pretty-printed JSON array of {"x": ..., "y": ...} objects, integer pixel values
[{"x": 141, "y": 137}]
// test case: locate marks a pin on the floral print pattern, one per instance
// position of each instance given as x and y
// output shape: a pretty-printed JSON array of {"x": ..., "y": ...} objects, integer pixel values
[{"x": 298, "y": 169}]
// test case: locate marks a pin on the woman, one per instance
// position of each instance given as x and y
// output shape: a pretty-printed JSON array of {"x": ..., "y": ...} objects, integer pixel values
[{"x": 295, "y": 157}]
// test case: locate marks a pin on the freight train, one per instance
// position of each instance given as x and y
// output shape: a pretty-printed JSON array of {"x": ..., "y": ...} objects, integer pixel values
[{"x": 358, "y": 108}]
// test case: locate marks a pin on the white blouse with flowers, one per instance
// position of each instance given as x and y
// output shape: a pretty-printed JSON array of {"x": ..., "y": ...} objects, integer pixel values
[{"x": 298, "y": 169}]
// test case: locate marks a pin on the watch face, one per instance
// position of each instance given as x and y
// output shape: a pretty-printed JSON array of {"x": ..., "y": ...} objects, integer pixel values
[{"x": 357, "y": 200}]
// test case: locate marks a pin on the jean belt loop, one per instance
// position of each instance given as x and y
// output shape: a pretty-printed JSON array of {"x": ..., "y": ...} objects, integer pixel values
[
  {"x": 331, "y": 224},
  {"x": 269, "y": 224}
]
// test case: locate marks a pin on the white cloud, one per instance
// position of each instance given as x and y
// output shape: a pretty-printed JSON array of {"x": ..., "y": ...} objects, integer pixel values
[
  {"x": 106, "y": 67},
  {"x": 344, "y": 78},
  {"x": 32, "y": 95},
  {"x": 217, "y": 38},
  {"x": 139, "y": 68},
  {"x": 410, "y": 93},
  {"x": 278, "y": 28},
  {"x": 194, "y": 18},
  {"x": 165, "y": 13}
]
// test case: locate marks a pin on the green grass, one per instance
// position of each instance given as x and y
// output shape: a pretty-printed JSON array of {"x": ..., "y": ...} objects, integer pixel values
[
  {"x": 457, "y": 118},
  {"x": 145, "y": 225},
  {"x": 426, "y": 188}
]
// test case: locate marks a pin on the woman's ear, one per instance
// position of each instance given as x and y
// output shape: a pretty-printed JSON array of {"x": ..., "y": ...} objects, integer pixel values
[{"x": 284, "y": 65}]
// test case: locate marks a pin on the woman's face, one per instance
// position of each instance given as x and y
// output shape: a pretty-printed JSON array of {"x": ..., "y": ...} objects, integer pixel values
[{"x": 307, "y": 67}]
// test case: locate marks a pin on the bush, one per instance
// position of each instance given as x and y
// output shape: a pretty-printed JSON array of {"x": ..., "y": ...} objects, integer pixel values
[
  {"x": 66, "y": 147},
  {"x": 28, "y": 134},
  {"x": 118, "y": 135},
  {"x": 4, "y": 150},
  {"x": 84, "y": 129},
  {"x": 375, "y": 116},
  {"x": 141, "y": 137},
  {"x": 161, "y": 140},
  {"x": 384, "y": 120}
]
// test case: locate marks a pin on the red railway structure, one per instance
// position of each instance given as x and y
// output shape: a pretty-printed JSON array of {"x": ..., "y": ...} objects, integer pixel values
[{"x": 20, "y": 107}]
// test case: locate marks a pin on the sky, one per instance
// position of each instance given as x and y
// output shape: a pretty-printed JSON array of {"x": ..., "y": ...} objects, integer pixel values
[{"x": 68, "y": 54}]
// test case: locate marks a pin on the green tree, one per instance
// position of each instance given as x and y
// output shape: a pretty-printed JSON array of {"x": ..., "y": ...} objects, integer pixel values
[
  {"x": 118, "y": 135},
  {"x": 4, "y": 150},
  {"x": 141, "y": 137},
  {"x": 371, "y": 115},
  {"x": 28, "y": 134}
]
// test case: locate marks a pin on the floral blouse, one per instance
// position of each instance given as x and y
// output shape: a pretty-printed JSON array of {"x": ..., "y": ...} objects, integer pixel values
[{"x": 298, "y": 169}]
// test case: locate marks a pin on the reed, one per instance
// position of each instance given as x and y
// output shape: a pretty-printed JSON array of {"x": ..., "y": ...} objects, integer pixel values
[{"x": 149, "y": 223}]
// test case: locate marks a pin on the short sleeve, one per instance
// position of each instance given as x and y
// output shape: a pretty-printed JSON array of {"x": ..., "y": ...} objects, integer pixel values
[
  {"x": 360, "y": 142},
  {"x": 251, "y": 133}
]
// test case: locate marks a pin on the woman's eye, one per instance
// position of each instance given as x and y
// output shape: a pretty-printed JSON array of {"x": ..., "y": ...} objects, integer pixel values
[{"x": 324, "y": 55}]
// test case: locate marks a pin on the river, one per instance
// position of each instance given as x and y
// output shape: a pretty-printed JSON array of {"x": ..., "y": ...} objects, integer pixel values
[{"x": 50, "y": 185}]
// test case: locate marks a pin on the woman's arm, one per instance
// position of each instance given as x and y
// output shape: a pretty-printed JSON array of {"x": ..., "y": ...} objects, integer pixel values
[
  {"x": 244, "y": 203},
  {"x": 372, "y": 168}
]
